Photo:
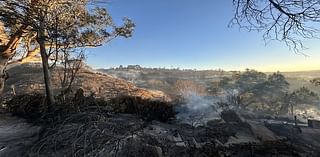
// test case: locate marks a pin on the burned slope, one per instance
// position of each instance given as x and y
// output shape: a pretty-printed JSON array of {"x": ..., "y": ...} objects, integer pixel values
[{"x": 28, "y": 78}]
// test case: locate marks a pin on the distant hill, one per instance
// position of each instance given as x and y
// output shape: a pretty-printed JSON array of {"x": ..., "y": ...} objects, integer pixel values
[{"x": 163, "y": 79}]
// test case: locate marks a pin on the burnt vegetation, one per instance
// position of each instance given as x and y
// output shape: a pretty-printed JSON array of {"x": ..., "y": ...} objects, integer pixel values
[
  {"x": 257, "y": 114},
  {"x": 34, "y": 109},
  {"x": 132, "y": 126}
]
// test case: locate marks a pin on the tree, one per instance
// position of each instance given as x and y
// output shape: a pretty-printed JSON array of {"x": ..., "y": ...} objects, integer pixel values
[
  {"x": 273, "y": 92},
  {"x": 71, "y": 65},
  {"x": 47, "y": 26},
  {"x": 315, "y": 81},
  {"x": 289, "y": 21},
  {"x": 304, "y": 96},
  {"x": 275, "y": 85},
  {"x": 301, "y": 96},
  {"x": 257, "y": 90},
  {"x": 249, "y": 79}
]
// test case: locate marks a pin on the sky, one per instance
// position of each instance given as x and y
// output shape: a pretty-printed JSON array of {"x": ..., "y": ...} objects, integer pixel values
[{"x": 194, "y": 34}]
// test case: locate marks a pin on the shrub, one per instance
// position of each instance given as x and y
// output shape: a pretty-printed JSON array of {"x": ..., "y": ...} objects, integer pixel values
[
  {"x": 29, "y": 106},
  {"x": 148, "y": 109},
  {"x": 32, "y": 106}
]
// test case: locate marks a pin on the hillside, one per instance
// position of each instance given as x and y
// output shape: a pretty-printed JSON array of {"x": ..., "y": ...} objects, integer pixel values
[
  {"x": 164, "y": 79},
  {"x": 28, "y": 78}
]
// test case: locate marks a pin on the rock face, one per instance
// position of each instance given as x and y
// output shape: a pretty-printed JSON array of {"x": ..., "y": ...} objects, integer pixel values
[{"x": 28, "y": 78}]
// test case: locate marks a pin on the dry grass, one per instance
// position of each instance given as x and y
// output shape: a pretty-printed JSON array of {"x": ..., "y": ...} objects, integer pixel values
[{"x": 28, "y": 78}]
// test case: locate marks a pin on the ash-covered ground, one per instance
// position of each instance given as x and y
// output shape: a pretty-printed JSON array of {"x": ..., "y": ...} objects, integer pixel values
[{"x": 117, "y": 129}]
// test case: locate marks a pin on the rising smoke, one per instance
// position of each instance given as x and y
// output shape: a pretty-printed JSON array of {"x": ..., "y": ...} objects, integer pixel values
[{"x": 198, "y": 110}]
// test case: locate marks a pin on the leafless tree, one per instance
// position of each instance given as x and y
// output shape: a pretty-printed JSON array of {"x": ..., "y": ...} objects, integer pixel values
[
  {"x": 71, "y": 65},
  {"x": 187, "y": 87},
  {"x": 289, "y": 21}
]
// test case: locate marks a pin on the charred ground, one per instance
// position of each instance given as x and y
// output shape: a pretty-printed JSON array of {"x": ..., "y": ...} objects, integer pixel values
[{"x": 89, "y": 124}]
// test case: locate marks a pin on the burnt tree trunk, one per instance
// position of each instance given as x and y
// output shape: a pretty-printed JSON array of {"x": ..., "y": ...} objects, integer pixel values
[{"x": 45, "y": 66}]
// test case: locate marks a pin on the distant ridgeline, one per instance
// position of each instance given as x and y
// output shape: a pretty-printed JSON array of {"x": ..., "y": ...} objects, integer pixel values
[
  {"x": 163, "y": 78},
  {"x": 139, "y": 67}
]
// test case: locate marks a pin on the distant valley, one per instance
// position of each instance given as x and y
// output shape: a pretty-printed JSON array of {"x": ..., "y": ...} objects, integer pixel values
[{"x": 163, "y": 79}]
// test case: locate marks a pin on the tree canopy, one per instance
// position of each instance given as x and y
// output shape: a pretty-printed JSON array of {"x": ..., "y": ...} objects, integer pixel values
[
  {"x": 51, "y": 27},
  {"x": 71, "y": 23},
  {"x": 250, "y": 78}
]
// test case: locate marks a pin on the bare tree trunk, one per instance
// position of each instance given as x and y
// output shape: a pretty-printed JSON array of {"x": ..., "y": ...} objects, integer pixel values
[
  {"x": 45, "y": 66},
  {"x": 3, "y": 75}
]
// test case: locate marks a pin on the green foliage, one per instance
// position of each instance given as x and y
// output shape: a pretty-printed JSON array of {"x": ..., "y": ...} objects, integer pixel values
[
  {"x": 55, "y": 28},
  {"x": 66, "y": 23}
]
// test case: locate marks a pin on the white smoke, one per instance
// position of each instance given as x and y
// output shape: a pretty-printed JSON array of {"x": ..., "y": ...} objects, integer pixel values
[
  {"x": 198, "y": 109},
  {"x": 131, "y": 76}
]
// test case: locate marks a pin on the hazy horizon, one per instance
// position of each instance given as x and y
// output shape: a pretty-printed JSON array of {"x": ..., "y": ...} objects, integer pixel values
[
  {"x": 203, "y": 69},
  {"x": 193, "y": 35}
]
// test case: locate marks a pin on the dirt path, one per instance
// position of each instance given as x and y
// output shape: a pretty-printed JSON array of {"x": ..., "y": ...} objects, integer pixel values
[{"x": 15, "y": 135}]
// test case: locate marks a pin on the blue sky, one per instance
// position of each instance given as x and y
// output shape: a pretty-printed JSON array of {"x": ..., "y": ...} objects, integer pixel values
[{"x": 194, "y": 34}]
